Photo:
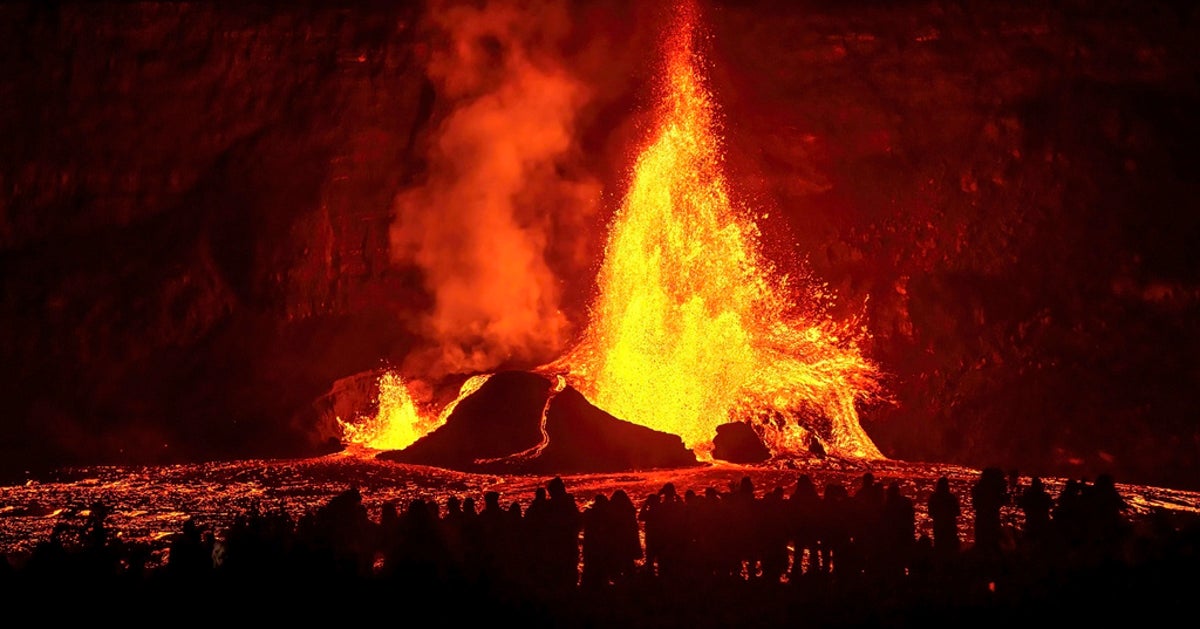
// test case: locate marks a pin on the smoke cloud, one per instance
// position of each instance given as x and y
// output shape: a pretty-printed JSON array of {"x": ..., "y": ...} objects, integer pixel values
[{"x": 498, "y": 183}]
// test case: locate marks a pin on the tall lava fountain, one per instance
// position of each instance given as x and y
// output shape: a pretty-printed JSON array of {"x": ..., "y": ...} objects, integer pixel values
[{"x": 692, "y": 327}]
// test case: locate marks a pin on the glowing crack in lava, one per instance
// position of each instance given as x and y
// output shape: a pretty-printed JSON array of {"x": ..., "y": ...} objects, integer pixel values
[{"x": 692, "y": 327}]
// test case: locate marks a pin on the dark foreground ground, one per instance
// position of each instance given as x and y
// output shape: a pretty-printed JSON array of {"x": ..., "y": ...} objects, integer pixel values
[
  {"x": 1159, "y": 595},
  {"x": 1150, "y": 575},
  {"x": 150, "y": 503}
]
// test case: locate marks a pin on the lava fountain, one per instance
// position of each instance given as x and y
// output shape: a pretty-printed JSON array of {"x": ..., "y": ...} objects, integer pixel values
[
  {"x": 399, "y": 420},
  {"x": 692, "y": 326}
]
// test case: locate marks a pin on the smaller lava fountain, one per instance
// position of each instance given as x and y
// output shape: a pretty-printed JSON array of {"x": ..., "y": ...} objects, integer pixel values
[
  {"x": 395, "y": 425},
  {"x": 399, "y": 420}
]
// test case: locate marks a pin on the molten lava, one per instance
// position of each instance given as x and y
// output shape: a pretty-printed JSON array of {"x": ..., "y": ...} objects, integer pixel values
[
  {"x": 692, "y": 327},
  {"x": 396, "y": 424},
  {"x": 399, "y": 421}
]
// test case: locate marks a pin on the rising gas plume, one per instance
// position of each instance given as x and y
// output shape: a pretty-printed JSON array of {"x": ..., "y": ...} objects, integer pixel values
[{"x": 480, "y": 226}]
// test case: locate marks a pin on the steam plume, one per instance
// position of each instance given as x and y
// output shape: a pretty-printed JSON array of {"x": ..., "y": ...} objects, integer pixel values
[{"x": 480, "y": 224}]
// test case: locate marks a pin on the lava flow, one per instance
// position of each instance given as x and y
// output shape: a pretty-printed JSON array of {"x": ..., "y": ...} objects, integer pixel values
[{"x": 692, "y": 326}]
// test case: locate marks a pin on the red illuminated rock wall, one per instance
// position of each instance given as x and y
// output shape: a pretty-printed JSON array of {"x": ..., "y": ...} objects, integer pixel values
[
  {"x": 195, "y": 202},
  {"x": 1010, "y": 185},
  {"x": 193, "y": 224}
]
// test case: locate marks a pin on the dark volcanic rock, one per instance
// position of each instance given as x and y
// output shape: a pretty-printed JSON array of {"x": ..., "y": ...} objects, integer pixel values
[
  {"x": 497, "y": 428},
  {"x": 584, "y": 438},
  {"x": 737, "y": 442},
  {"x": 502, "y": 418}
]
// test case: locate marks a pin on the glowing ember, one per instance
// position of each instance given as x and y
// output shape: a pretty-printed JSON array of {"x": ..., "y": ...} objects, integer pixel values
[
  {"x": 397, "y": 423},
  {"x": 692, "y": 327}
]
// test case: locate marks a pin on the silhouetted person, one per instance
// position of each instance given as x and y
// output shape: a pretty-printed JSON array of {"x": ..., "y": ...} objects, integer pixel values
[
  {"x": 452, "y": 529},
  {"x": 419, "y": 558},
  {"x": 944, "y": 509},
  {"x": 866, "y": 514},
  {"x": 772, "y": 529},
  {"x": 190, "y": 555},
  {"x": 704, "y": 516},
  {"x": 690, "y": 533},
  {"x": 535, "y": 528},
  {"x": 989, "y": 495},
  {"x": 1036, "y": 503},
  {"x": 804, "y": 509},
  {"x": 627, "y": 545},
  {"x": 99, "y": 557},
  {"x": 515, "y": 543},
  {"x": 50, "y": 557},
  {"x": 651, "y": 517},
  {"x": 1069, "y": 514},
  {"x": 257, "y": 545},
  {"x": 472, "y": 540},
  {"x": 834, "y": 525},
  {"x": 494, "y": 539},
  {"x": 562, "y": 539},
  {"x": 597, "y": 544},
  {"x": 921, "y": 566},
  {"x": 743, "y": 514},
  {"x": 672, "y": 523},
  {"x": 898, "y": 531},
  {"x": 96, "y": 535},
  {"x": 389, "y": 518},
  {"x": 342, "y": 536},
  {"x": 1105, "y": 514}
]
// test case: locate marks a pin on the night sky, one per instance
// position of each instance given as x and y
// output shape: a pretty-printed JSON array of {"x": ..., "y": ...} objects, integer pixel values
[{"x": 206, "y": 211}]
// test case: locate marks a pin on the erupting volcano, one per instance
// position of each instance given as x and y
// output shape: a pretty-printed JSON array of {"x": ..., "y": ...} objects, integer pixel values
[
  {"x": 569, "y": 310},
  {"x": 692, "y": 326}
]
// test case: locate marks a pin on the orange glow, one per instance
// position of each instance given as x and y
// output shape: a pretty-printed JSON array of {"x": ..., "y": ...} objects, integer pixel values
[
  {"x": 397, "y": 423},
  {"x": 692, "y": 327}
]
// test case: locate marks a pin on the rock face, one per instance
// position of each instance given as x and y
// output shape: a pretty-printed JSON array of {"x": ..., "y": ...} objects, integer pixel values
[
  {"x": 498, "y": 429},
  {"x": 737, "y": 442},
  {"x": 195, "y": 204},
  {"x": 194, "y": 224},
  {"x": 350, "y": 397}
]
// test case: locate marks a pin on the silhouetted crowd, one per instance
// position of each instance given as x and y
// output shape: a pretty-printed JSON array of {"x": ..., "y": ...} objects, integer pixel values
[{"x": 837, "y": 555}]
